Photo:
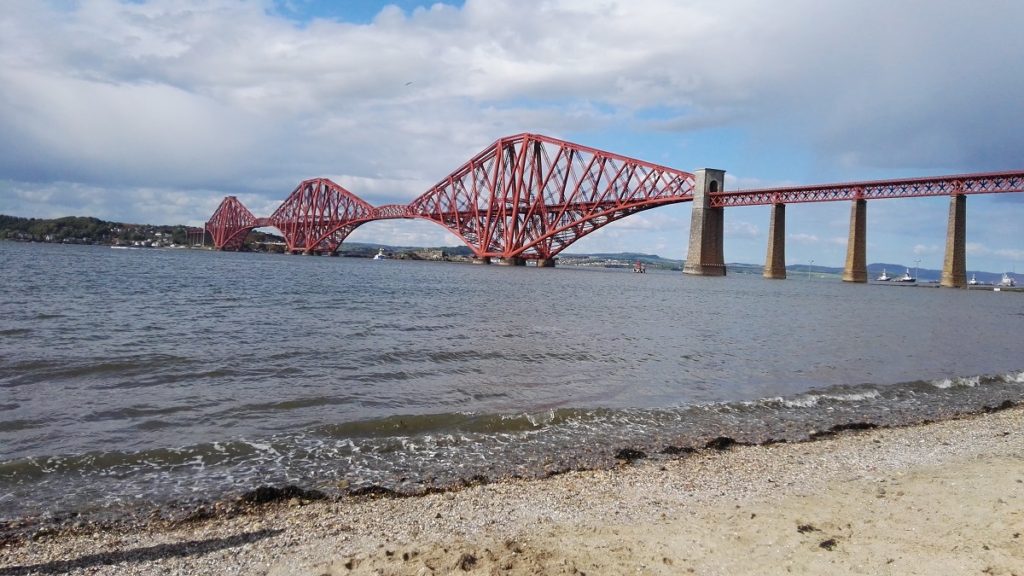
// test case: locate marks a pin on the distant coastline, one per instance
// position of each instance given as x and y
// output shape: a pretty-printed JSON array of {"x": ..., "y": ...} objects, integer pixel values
[{"x": 93, "y": 231}]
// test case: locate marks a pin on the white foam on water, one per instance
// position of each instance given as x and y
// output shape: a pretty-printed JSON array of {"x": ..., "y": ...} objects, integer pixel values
[
  {"x": 958, "y": 382},
  {"x": 812, "y": 400},
  {"x": 1012, "y": 378},
  {"x": 540, "y": 419},
  {"x": 854, "y": 397},
  {"x": 802, "y": 401}
]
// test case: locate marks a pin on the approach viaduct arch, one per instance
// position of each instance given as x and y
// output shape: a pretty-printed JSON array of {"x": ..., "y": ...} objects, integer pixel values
[{"x": 529, "y": 197}]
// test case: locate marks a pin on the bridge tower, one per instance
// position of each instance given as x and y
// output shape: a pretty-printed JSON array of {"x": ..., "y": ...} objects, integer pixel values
[
  {"x": 856, "y": 269},
  {"x": 230, "y": 224},
  {"x": 775, "y": 261},
  {"x": 954, "y": 265},
  {"x": 705, "y": 255}
]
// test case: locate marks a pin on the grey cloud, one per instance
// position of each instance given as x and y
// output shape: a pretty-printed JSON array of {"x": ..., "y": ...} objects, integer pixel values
[{"x": 222, "y": 96}]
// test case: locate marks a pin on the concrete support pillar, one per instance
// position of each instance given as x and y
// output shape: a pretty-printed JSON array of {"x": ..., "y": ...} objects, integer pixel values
[
  {"x": 484, "y": 260},
  {"x": 705, "y": 256},
  {"x": 545, "y": 263},
  {"x": 856, "y": 269},
  {"x": 513, "y": 261},
  {"x": 954, "y": 266},
  {"x": 775, "y": 262}
]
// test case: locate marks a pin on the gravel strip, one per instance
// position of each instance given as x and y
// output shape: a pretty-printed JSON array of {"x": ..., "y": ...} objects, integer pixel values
[{"x": 334, "y": 537}]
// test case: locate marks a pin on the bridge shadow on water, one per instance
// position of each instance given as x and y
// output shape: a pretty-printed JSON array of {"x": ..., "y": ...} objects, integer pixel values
[{"x": 140, "y": 555}]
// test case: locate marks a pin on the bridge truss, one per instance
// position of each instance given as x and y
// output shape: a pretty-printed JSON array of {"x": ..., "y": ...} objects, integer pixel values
[
  {"x": 318, "y": 215},
  {"x": 526, "y": 196},
  {"x": 531, "y": 196},
  {"x": 987, "y": 183},
  {"x": 230, "y": 224}
]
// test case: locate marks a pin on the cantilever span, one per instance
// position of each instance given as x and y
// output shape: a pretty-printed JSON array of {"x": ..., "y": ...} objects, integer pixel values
[
  {"x": 318, "y": 215},
  {"x": 230, "y": 223},
  {"x": 530, "y": 196},
  {"x": 523, "y": 197}
]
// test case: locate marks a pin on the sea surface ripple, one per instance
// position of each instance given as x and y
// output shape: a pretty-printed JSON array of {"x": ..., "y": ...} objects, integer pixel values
[{"x": 139, "y": 378}]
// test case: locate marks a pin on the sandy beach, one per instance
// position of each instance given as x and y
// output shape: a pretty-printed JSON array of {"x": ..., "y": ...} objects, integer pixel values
[{"x": 939, "y": 498}]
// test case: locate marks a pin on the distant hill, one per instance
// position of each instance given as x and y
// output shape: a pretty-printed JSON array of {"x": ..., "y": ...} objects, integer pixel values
[
  {"x": 365, "y": 247},
  {"x": 88, "y": 230},
  {"x": 626, "y": 258},
  {"x": 893, "y": 270}
]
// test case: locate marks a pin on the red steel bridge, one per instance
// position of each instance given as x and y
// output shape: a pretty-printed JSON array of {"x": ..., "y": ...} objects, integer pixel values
[
  {"x": 523, "y": 197},
  {"x": 529, "y": 197}
]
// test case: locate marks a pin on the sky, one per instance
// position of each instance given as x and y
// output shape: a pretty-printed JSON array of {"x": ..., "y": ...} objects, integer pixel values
[{"x": 151, "y": 111}]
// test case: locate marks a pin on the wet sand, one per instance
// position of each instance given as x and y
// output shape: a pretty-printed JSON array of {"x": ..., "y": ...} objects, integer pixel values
[{"x": 940, "y": 498}]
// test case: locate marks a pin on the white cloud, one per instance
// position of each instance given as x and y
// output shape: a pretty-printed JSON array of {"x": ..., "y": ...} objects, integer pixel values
[
  {"x": 976, "y": 249},
  {"x": 1010, "y": 254},
  {"x": 734, "y": 183},
  {"x": 998, "y": 254},
  {"x": 156, "y": 109},
  {"x": 742, "y": 229},
  {"x": 803, "y": 238},
  {"x": 653, "y": 220},
  {"x": 404, "y": 233},
  {"x": 134, "y": 134},
  {"x": 383, "y": 190}
]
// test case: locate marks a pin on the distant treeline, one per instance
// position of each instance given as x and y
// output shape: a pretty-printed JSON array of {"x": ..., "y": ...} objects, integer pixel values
[{"x": 87, "y": 230}]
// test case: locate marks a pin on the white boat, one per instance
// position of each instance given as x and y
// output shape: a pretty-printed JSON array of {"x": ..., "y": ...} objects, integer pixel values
[
  {"x": 639, "y": 267},
  {"x": 884, "y": 277},
  {"x": 1007, "y": 281},
  {"x": 380, "y": 255},
  {"x": 973, "y": 281},
  {"x": 906, "y": 277}
]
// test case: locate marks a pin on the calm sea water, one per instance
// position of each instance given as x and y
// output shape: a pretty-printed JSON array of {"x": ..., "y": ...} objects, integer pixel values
[{"x": 139, "y": 378}]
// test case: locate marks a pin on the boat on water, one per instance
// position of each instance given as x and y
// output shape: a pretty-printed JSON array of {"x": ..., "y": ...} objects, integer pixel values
[
  {"x": 884, "y": 277},
  {"x": 1007, "y": 281},
  {"x": 639, "y": 267},
  {"x": 380, "y": 255},
  {"x": 973, "y": 281},
  {"x": 906, "y": 277}
]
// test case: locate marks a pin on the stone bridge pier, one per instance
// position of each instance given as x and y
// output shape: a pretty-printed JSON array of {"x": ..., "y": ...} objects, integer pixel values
[
  {"x": 775, "y": 261},
  {"x": 704, "y": 256},
  {"x": 856, "y": 269},
  {"x": 954, "y": 265}
]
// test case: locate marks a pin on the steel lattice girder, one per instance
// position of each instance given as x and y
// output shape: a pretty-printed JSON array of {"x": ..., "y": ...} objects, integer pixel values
[
  {"x": 319, "y": 215},
  {"x": 230, "y": 224},
  {"x": 531, "y": 196},
  {"x": 389, "y": 211},
  {"x": 991, "y": 183}
]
